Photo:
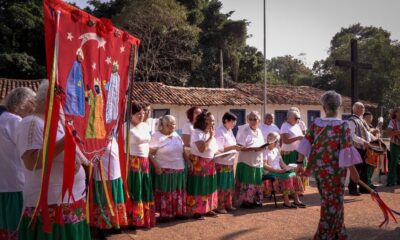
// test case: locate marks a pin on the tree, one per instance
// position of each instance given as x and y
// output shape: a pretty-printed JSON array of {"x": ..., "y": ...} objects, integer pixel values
[
  {"x": 290, "y": 70},
  {"x": 168, "y": 41},
  {"x": 251, "y": 65},
  {"x": 22, "y": 40},
  {"x": 381, "y": 84}
]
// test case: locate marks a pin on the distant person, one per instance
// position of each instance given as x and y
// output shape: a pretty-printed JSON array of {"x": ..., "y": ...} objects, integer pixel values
[
  {"x": 187, "y": 129},
  {"x": 151, "y": 122},
  {"x": 393, "y": 131},
  {"x": 18, "y": 104},
  {"x": 291, "y": 134},
  {"x": 268, "y": 126}
]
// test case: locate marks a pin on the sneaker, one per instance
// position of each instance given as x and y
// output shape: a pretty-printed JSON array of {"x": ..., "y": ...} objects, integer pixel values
[
  {"x": 212, "y": 214},
  {"x": 292, "y": 206},
  {"x": 231, "y": 209},
  {"x": 300, "y": 205},
  {"x": 198, "y": 216}
]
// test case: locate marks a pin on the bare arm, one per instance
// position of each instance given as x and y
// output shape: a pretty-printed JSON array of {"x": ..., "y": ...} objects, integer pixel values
[
  {"x": 32, "y": 158},
  {"x": 186, "y": 140},
  {"x": 287, "y": 140}
]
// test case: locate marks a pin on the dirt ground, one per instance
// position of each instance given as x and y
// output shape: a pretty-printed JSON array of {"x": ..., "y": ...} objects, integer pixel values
[{"x": 362, "y": 217}]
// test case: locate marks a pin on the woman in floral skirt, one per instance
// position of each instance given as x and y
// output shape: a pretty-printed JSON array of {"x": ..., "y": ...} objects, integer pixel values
[
  {"x": 166, "y": 146},
  {"x": 329, "y": 149},
  {"x": 202, "y": 196},
  {"x": 139, "y": 178}
]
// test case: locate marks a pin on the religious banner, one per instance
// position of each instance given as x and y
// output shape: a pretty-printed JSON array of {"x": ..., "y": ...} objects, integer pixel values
[{"x": 89, "y": 64}]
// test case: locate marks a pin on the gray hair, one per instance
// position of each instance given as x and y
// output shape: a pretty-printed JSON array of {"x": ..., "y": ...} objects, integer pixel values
[
  {"x": 17, "y": 99},
  {"x": 356, "y": 105},
  {"x": 164, "y": 121},
  {"x": 41, "y": 94},
  {"x": 293, "y": 113},
  {"x": 331, "y": 101},
  {"x": 269, "y": 115},
  {"x": 254, "y": 113}
]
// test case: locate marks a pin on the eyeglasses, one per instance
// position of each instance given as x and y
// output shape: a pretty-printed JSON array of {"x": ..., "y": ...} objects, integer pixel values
[
  {"x": 297, "y": 118},
  {"x": 253, "y": 119}
]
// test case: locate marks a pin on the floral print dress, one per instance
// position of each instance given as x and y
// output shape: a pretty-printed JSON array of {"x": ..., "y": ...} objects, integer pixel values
[{"x": 329, "y": 147}]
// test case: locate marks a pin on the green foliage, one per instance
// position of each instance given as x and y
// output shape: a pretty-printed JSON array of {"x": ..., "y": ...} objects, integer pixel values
[
  {"x": 381, "y": 84},
  {"x": 22, "y": 39},
  {"x": 168, "y": 41},
  {"x": 290, "y": 70}
]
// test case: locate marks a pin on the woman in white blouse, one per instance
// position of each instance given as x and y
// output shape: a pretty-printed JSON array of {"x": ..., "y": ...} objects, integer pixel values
[
  {"x": 249, "y": 170},
  {"x": 291, "y": 134},
  {"x": 139, "y": 178},
  {"x": 19, "y": 103},
  {"x": 202, "y": 177},
  {"x": 71, "y": 224},
  {"x": 187, "y": 129},
  {"x": 166, "y": 146},
  {"x": 224, "y": 164}
]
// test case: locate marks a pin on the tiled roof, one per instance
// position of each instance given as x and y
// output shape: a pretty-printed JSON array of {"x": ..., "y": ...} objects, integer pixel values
[
  {"x": 153, "y": 92},
  {"x": 6, "y": 85},
  {"x": 238, "y": 94},
  {"x": 291, "y": 95}
]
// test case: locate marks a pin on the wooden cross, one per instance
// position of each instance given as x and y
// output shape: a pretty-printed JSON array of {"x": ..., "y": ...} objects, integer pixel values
[{"x": 354, "y": 65}]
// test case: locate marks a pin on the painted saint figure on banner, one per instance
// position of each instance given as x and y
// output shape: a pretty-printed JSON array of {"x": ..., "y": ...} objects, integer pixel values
[
  {"x": 113, "y": 94},
  {"x": 95, "y": 128},
  {"x": 75, "y": 93}
]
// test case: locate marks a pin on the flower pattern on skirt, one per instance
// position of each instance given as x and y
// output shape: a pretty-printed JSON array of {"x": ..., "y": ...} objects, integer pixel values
[
  {"x": 142, "y": 215},
  {"x": 62, "y": 214},
  {"x": 225, "y": 196},
  {"x": 171, "y": 204},
  {"x": 248, "y": 193},
  {"x": 286, "y": 186},
  {"x": 102, "y": 216}
]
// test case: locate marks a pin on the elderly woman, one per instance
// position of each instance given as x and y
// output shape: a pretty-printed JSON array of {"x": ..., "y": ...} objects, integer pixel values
[
  {"x": 68, "y": 218},
  {"x": 18, "y": 104},
  {"x": 285, "y": 179},
  {"x": 224, "y": 164},
  {"x": 329, "y": 148},
  {"x": 291, "y": 134},
  {"x": 249, "y": 170},
  {"x": 393, "y": 131},
  {"x": 187, "y": 129},
  {"x": 202, "y": 179},
  {"x": 139, "y": 179},
  {"x": 110, "y": 172},
  {"x": 170, "y": 179}
]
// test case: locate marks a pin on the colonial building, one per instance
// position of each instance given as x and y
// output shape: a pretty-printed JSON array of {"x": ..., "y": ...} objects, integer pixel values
[{"x": 239, "y": 99}]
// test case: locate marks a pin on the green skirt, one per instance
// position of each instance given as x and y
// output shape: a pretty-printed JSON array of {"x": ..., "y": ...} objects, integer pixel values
[
  {"x": 101, "y": 217},
  {"x": 249, "y": 175},
  {"x": 10, "y": 212},
  {"x": 282, "y": 176},
  {"x": 225, "y": 177},
  {"x": 292, "y": 157},
  {"x": 58, "y": 232},
  {"x": 170, "y": 181}
]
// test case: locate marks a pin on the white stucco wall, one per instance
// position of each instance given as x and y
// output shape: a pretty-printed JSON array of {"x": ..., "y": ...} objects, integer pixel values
[{"x": 179, "y": 112}]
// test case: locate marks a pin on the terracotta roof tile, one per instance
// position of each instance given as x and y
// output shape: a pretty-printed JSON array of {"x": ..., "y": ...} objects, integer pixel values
[
  {"x": 153, "y": 92},
  {"x": 6, "y": 85}
]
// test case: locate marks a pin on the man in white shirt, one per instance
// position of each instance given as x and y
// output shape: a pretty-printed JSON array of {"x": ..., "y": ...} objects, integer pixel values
[
  {"x": 361, "y": 138},
  {"x": 268, "y": 126}
]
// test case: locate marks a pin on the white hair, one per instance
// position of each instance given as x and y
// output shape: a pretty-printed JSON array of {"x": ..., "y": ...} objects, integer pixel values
[
  {"x": 41, "y": 94},
  {"x": 254, "y": 113},
  {"x": 164, "y": 121},
  {"x": 356, "y": 105},
  {"x": 293, "y": 113},
  {"x": 331, "y": 101},
  {"x": 16, "y": 100}
]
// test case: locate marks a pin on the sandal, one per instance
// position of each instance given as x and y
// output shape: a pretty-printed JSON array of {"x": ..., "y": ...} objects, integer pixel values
[
  {"x": 198, "y": 217},
  {"x": 221, "y": 211},
  {"x": 231, "y": 209},
  {"x": 300, "y": 205},
  {"x": 292, "y": 206}
]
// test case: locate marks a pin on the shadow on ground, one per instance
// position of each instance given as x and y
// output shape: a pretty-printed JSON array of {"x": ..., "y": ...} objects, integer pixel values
[{"x": 368, "y": 234}]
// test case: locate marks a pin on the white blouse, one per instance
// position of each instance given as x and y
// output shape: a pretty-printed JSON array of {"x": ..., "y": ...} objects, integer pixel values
[
  {"x": 273, "y": 158},
  {"x": 187, "y": 128},
  {"x": 198, "y": 135},
  {"x": 225, "y": 138},
  {"x": 169, "y": 150},
  {"x": 30, "y": 137},
  {"x": 110, "y": 162},
  {"x": 12, "y": 175},
  {"x": 139, "y": 140},
  {"x": 292, "y": 131},
  {"x": 250, "y": 138}
]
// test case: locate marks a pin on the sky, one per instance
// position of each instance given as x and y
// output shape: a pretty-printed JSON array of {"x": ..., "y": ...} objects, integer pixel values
[{"x": 304, "y": 28}]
